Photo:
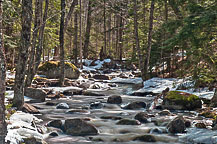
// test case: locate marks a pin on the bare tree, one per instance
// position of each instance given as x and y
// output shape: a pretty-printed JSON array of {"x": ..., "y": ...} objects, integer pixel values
[
  {"x": 151, "y": 18},
  {"x": 3, "y": 125},
  {"x": 23, "y": 53}
]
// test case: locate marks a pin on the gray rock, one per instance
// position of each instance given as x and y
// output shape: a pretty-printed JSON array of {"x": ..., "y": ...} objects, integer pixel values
[
  {"x": 114, "y": 99},
  {"x": 145, "y": 138},
  {"x": 101, "y": 77},
  {"x": 33, "y": 140},
  {"x": 55, "y": 123},
  {"x": 96, "y": 105},
  {"x": 177, "y": 125},
  {"x": 78, "y": 127},
  {"x": 142, "y": 117},
  {"x": 28, "y": 108},
  {"x": 128, "y": 122},
  {"x": 51, "y": 69},
  {"x": 62, "y": 106},
  {"x": 135, "y": 105},
  {"x": 164, "y": 113},
  {"x": 34, "y": 93}
]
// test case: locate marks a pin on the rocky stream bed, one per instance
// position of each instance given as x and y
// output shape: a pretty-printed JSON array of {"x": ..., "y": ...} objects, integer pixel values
[{"x": 110, "y": 108}]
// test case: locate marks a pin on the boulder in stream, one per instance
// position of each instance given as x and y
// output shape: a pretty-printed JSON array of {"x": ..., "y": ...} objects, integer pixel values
[
  {"x": 114, "y": 99},
  {"x": 142, "y": 117},
  {"x": 51, "y": 69},
  {"x": 135, "y": 105},
  {"x": 145, "y": 138},
  {"x": 55, "y": 123},
  {"x": 79, "y": 127},
  {"x": 37, "y": 94},
  {"x": 28, "y": 108},
  {"x": 177, "y": 125},
  {"x": 176, "y": 100},
  {"x": 62, "y": 106},
  {"x": 128, "y": 122},
  {"x": 101, "y": 77}
]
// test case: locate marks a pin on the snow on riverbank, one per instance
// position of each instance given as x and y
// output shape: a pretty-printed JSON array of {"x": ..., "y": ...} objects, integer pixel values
[{"x": 21, "y": 126}]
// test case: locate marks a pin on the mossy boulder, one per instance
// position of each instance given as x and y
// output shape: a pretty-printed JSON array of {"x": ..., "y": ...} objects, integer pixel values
[
  {"x": 177, "y": 100},
  {"x": 51, "y": 69}
]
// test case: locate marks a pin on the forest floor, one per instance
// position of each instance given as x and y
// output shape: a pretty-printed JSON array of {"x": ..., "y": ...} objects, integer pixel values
[{"x": 113, "y": 106}]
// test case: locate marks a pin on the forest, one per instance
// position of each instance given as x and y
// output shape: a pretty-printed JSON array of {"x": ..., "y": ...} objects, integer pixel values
[{"x": 91, "y": 71}]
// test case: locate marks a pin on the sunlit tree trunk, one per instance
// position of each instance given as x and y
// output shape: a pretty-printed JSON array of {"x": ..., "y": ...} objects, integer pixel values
[
  {"x": 26, "y": 18},
  {"x": 80, "y": 32},
  {"x": 3, "y": 125}
]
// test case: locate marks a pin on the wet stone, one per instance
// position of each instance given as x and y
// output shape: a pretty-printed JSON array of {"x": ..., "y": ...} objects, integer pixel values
[
  {"x": 164, "y": 113},
  {"x": 111, "y": 117},
  {"x": 96, "y": 105},
  {"x": 135, "y": 105},
  {"x": 200, "y": 125},
  {"x": 128, "y": 122},
  {"x": 62, "y": 106},
  {"x": 55, "y": 123},
  {"x": 114, "y": 99},
  {"x": 177, "y": 125},
  {"x": 78, "y": 127},
  {"x": 142, "y": 117},
  {"x": 54, "y": 134},
  {"x": 145, "y": 138}
]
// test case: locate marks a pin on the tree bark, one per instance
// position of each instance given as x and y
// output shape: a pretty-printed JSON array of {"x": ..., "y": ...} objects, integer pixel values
[
  {"x": 81, "y": 51},
  {"x": 39, "y": 46},
  {"x": 69, "y": 15},
  {"x": 37, "y": 23},
  {"x": 75, "y": 41},
  {"x": 61, "y": 39},
  {"x": 3, "y": 125},
  {"x": 23, "y": 53},
  {"x": 151, "y": 18},
  {"x": 104, "y": 26},
  {"x": 88, "y": 28},
  {"x": 136, "y": 37}
]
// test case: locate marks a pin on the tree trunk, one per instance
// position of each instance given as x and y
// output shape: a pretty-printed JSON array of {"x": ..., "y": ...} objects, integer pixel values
[
  {"x": 61, "y": 39},
  {"x": 23, "y": 53},
  {"x": 88, "y": 27},
  {"x": 69, "y": 15},
  {"x": 136, "y": 37},
  {"x": 3, "y": 125},
  {"x": 151, "y": 18},
  {"x": 105, "y": 42},
  {"x": 39, "y": 46},
  {"x": 75, "y": 41},
  {"x": 37, "y": 22},
  {"x": 81, "y": 52}
]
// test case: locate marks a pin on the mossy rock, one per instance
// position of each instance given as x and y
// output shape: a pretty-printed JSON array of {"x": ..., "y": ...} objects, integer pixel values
[
  {"x": 51, "y": 69},
  {"x": 176, "y": 100}
]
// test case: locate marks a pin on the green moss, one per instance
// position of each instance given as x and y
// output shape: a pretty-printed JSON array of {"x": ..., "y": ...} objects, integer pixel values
[
  {"x": 182, "y": 96},
  {"x": 55, "y": 64},
  {"x": 48, "y": 65}
]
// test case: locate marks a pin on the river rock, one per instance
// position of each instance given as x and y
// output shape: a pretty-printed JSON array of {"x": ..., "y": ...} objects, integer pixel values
[
  {"x": 78, "y": 127},
  {"x": 114, "y": 99},
  {"x": 145, "y": 138},
  {"x": 53, "y": 134},
  {"x": 111, "y": 117},
  {"x": 101, "y": 77},
  {"x": 55, "y": 123},
  {"x": 28, "y": 108},
  {"x": 96, "y": 105},
  {"x": 176, "y": 100},
  {"x": 135, "y": 105},
  {"x": 51, "y": 69},
  {"x": 34, "y": 93},
  {"x": 200, "y": 125},
  {"x": 142, "y": 117},
  {"x": 72, "y": 91},
  {"x": 33, "y": 140},
  {"x": 177, "y": 125},
  {"x": 164, "y": 113},
  {"x": 128, "y": 122},
  {"x": 62, "y": 106}
]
